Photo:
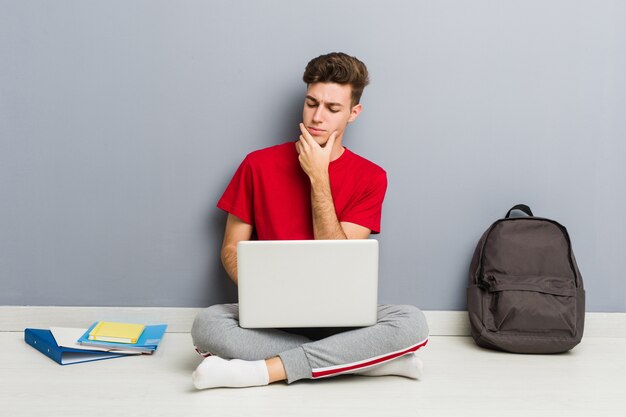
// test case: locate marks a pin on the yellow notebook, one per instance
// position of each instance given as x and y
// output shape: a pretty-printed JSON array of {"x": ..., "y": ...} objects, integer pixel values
[{"x": 107, "y": 331}]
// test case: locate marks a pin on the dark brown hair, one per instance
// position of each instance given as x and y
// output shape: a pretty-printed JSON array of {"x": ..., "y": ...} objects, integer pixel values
[{"x": 339, "y": 68}]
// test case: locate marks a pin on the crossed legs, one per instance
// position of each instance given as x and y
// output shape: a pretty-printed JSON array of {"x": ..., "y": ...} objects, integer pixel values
[{"x": 261, "y": 356}]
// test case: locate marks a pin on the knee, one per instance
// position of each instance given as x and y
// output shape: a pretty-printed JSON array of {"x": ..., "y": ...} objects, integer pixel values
[
  {"x": 210, "y": 326},
  {"x": 411, "y": 323}
]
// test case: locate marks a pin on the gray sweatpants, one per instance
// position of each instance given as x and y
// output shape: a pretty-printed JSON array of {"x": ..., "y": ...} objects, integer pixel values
[{"x": 400, "y": 329}]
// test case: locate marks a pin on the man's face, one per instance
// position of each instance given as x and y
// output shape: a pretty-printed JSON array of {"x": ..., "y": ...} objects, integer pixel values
[{"x": 327, "y": 108}]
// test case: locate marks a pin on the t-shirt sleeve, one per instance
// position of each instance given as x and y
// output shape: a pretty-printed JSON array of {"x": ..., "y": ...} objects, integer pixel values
[
  {"x": 238, "y": 198},
  {"x": 367, "y": 211}
]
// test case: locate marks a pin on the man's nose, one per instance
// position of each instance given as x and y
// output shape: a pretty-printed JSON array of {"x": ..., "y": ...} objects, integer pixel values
[{"x": 317, "y": 115}]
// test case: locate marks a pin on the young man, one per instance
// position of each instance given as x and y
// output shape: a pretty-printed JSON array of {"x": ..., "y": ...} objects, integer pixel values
[{"x": 314, "y": 188}]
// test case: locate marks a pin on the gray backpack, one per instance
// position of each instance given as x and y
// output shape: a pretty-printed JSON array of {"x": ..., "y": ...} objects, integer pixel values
[{"x": 525, "y": 292}]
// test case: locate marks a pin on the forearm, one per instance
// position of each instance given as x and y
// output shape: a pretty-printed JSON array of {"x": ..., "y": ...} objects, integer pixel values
[
  {"x": 325, "y": 222},
  {"x": 229, "y": 260}
]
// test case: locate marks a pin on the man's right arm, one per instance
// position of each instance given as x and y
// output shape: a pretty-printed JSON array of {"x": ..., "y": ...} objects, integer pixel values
[{"x": 236, "y": 230}]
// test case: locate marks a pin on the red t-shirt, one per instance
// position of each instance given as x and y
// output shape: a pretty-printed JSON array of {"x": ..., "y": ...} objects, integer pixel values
[{"x": 271, "y": 192}]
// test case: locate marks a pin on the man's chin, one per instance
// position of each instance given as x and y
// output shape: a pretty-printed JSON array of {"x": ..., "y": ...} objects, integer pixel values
[{"x": 321, "y": 141}]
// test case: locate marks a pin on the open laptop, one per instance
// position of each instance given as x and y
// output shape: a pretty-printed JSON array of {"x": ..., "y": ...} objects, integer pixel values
[{"x": 307, "y": 283}]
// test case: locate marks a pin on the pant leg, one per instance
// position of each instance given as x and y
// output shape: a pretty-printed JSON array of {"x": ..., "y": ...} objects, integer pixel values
[
  {"x": 216, "y": 331},
  {"x": 400, "y": 329}
]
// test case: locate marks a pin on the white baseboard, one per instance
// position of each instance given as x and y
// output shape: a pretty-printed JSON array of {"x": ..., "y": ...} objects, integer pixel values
[{"x": 179, "y": 320}]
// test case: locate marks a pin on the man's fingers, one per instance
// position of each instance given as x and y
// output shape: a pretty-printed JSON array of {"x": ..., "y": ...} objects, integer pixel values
[
  {"x": 306, "y": 135},
  {"x": 303, "y": 136},
  {"x": 303, "y": 130},
  {"x": 307, "y": 142},
  {"x": 304, "y": 145}
]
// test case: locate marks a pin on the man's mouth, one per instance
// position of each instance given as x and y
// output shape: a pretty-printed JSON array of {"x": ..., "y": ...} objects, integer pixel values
[{"x": 315, "y": 132}]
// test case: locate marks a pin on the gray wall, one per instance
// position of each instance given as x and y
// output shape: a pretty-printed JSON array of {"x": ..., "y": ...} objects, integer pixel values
[{"x": 122, "y": 122}]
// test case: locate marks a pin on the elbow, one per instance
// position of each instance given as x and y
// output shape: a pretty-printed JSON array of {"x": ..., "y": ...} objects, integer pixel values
[
  {"x": 229, "y": 261},
  {"x": 229, "y": 251}
]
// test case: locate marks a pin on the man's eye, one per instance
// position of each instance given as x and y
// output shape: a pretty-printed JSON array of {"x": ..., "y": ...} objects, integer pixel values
[
  {"x": 333, "y": 110},
  {"x": 311, "y": 105}
]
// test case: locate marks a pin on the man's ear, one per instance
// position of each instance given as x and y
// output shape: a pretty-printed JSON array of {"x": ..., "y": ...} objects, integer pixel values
[{"x": 355, "y": 112}]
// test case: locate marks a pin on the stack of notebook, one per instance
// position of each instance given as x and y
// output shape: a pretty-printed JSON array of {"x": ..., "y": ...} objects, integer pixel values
[{"x": 103, "y": 340}]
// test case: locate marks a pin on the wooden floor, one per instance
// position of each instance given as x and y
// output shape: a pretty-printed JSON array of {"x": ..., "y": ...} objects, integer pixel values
[{"x": 460, "y": 380}]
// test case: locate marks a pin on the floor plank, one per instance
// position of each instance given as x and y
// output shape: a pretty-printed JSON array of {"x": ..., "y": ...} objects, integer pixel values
[{"x": 459, "y": 379}]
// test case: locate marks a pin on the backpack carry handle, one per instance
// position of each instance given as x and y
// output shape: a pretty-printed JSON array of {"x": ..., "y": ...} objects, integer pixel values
[{"x": 521, "y": 207}]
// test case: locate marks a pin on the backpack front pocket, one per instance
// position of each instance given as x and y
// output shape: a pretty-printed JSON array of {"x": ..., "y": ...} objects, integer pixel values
[{"x": 530, "y": 304}]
